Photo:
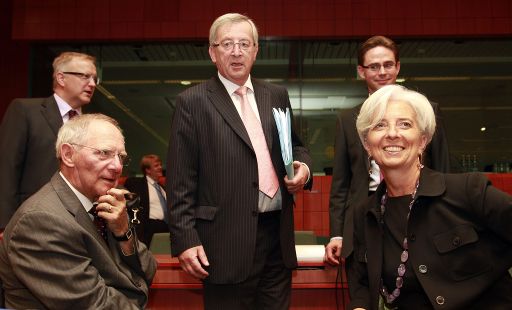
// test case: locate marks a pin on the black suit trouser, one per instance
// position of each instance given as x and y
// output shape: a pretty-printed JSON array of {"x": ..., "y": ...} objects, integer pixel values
[{"x": 269, "y": 283}]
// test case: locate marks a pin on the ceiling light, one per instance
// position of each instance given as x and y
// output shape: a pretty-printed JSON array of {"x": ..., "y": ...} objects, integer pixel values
[
  {"x": 400, "y": 80},
  {"x": 186, "y": 83},
  {"x": 483, "y": 129}
]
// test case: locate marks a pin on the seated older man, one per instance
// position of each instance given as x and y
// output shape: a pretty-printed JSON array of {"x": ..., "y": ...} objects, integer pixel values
[{"x": 70, "y": 245}]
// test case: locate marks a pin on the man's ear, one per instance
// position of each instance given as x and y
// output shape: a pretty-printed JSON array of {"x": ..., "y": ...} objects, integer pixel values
[
  {"x": 360, "y": 72},
  {"x": 59, "y": 78},
  {"x": 66, "y": 154},
  {"x": 213, "y": 57}
]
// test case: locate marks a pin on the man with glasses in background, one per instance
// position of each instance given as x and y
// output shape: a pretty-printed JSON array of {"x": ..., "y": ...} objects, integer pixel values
[
  {"x": 29, "y": 130},
  {"x": 355, "y": 174},
  {"x": 70, "y": 245},
  {"x": 231, "y": 206}
]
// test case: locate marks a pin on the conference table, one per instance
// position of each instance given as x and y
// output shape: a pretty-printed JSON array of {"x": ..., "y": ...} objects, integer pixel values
[{"x": 315, "y": 286}]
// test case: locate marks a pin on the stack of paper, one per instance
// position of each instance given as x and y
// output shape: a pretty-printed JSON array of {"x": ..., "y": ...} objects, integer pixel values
[
  {"x": 310, "y": 253},
  {"x": 284, "y": 127}
]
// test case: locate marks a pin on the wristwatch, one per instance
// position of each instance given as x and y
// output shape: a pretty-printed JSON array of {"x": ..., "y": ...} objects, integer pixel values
[{"x": 125, "y": 237}]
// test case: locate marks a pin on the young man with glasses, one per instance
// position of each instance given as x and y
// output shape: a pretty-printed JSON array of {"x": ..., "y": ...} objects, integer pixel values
[
  {"x": 71, "y": 245},
  {"x": 355, "y": 174},
  {"x": 29, "y": 130},
  {"x": 231, "y": 206}
]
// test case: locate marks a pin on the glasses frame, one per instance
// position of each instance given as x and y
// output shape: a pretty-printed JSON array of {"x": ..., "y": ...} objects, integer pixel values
[
  {"x": 84, "y": 76},
  {"x": 375, "y": 67},
  {"x": 240, "y": 46},
  {"x": 105, "y": 155}
]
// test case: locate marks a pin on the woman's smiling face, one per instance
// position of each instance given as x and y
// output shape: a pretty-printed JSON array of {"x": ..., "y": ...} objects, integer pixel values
[{"x": 396, "y": 141}]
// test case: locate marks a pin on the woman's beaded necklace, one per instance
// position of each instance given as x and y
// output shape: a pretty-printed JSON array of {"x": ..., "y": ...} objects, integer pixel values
[{"x": 390, "y": 297}]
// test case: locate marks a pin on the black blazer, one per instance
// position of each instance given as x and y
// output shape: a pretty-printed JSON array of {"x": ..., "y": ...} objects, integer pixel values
[
  {"x": 212, "y": 183},
  {"x": 460, "y": 243},
  {"x": 350, "y": 172},
  {"x": 27, "y": 161}
]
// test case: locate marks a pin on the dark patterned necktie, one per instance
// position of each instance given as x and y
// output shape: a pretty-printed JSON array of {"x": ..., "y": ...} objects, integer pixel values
[
  {"x": 72, "y": 114},
  {"x": 101, "y": 225}
]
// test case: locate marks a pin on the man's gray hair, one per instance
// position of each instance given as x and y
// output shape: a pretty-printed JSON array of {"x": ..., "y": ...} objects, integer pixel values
[
  {"x": 75, "y": 131},
  {"x": 231, "y": 18}
]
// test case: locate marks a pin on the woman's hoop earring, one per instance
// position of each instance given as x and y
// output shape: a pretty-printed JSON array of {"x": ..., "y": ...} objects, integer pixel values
[
  {"x": 420, "y": 163},
  {"x": 370, "y": 170}
]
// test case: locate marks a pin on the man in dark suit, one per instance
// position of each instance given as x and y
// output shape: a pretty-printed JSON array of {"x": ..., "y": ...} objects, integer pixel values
[
  {"x": 355, "y": 174},
  {"x": 70, "y": 245},
  {"x": 29, "y": 130},
  {"x": 231, "y": 214},
  {"x": 154, "y": 215}
]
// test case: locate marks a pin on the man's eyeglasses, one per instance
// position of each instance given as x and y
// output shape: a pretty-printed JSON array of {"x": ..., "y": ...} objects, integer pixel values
[
  {"x": 84, "y": 77},
  {"x": 108, "y": 154},
  {"x": 388, "y": 65},
  {"x": 229, "y": 45}
]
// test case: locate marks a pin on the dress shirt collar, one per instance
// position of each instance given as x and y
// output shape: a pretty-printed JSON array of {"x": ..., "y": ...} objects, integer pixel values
[
  {"x": 150, "y": 180},
  {"x": 64, "y": 107},
  {"x": 86, "y": 203},
  {"x": 232, "y": 87}
]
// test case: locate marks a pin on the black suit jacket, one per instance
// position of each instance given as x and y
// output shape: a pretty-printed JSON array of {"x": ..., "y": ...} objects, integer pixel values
[
  {"x": 459, "y": 230},
  {"x": 27, "y": 158},
  {"x": 350, "y": 179},
  {"x": 213, "y": 178},
  {"x": 140, "y": 186}
]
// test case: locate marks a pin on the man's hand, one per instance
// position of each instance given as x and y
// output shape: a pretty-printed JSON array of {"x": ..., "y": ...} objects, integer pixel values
[
  {"x": 112, "y": 208},
  {"x": 192, "y": 261},
  {"x": 300, "y": 177},
  {"x": 333, "y": 252}
]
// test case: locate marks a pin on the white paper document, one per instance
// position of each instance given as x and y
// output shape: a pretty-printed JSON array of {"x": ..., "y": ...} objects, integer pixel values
[
  {"x": 284, "y": 127},
  {"x": 310, "y": 253}
]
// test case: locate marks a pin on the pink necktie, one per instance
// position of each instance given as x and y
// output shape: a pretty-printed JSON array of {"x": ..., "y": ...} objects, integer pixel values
[{"x": 267, "y": 177}]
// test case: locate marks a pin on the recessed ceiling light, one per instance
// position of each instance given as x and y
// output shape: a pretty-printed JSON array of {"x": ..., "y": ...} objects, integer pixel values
[{"x": 483, "y": 129}]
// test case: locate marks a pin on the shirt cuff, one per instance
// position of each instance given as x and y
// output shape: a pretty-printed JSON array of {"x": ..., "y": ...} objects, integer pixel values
[
  {"x": 337, "y": 238},
  {"x": 309, "y": 172}
]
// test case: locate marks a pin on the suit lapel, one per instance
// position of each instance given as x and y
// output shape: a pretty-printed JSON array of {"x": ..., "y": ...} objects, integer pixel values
[
  {"x": 264, "y": 104},
  {"x": 221, "y": 100},
  {"x": 75, "y": 207},
  {"x": 51, "y": 114}
]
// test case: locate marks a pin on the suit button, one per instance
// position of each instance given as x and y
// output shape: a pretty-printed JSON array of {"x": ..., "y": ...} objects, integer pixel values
[
  {"x": 440, "y": 300},
  {"x": 422, "y": 269},
  {"x": 456, "y": 241},
  {"x": 412, "y": 237},
  {"x": 138, "y": 284},
  {"x": 254, "y": 213}
]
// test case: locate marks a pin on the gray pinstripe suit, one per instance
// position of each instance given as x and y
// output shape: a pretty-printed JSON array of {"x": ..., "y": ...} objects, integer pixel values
[
  {"x": 53, "y": 257},
  {"x": 212, "y": 181}
]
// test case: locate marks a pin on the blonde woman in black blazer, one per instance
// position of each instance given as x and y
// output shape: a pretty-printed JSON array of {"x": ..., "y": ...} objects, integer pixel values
[{"x": 426, "y": 240}]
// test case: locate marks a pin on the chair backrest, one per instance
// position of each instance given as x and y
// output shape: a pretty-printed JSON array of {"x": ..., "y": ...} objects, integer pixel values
[
  {"x": 305, "y": 237},
  {"x": 160, "y": 244}
]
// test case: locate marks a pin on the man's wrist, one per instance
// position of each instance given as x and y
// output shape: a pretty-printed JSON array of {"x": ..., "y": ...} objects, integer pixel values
[{"x": 126, "y": 236}]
